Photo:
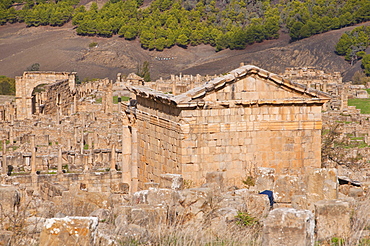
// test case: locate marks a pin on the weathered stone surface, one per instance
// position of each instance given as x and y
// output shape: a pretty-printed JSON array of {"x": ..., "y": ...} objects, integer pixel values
[
  {"x": 119, "y": 188},
  {"x": 171, "y": 181},
  {"x": 5, "y": 237},
  {"x": 215, "y": 181},
  {"x": 83, "y": 203},
  {"x": 231, "y": 201},
  {"x": 301, "y": 202},
  {"x": 265, "y": 178},
  {"x": 129, "y": 232},
  {"x": 159, "y": 197},
  {"x": 322, "y": 184},
  {"x": 356, "y": 192},
  {"x": 69, "y": 231},
  {"x": 220, "y": 218},
  {"x": 288, "y": 227},
  {"x": 332, "y": 219},
  {"x": 52, "y": 189},
  {"x": 106, "y": 236},
  {"x": 140, "y": 197},
  {"x": 103, "y": 215},
  {"x": 34, "y": 224},
  {"x": 258, "y": 205},
  {"x": 287, "y": 186},
  {"x": 122, "y": 215},
  {"x": 148, "y": 216},
  {"x": 9, "y": 199},
  {"x": 194, "y": 203}
]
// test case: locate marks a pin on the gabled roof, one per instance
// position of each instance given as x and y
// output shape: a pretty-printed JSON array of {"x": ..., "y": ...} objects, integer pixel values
[{"x": 187, "y": 99}]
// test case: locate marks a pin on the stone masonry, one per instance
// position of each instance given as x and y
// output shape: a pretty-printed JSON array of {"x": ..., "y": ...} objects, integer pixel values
[{"x": 234, "y": 123}]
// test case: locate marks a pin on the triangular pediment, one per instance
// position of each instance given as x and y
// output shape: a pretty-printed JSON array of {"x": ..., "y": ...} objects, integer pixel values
[
  {"x": 245, "y": 85},
  {"x": 251, "y": 84}
]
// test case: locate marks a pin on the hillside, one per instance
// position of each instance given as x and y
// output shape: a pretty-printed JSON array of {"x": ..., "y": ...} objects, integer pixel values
[{"x": 61, "y": 49}]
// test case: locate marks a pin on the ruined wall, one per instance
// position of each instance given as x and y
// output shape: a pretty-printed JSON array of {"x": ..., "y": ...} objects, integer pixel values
[
  {"x": 26, "y": 83},
  {"x": 251, "y": 123},
  {"x": 59, "y": 99},
  {"x": 159, "y": 140},
  {"x": 178, "y": 84}
]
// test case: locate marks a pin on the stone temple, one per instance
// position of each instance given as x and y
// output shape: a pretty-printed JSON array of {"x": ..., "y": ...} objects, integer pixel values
[{"x": 233, "y": 124}]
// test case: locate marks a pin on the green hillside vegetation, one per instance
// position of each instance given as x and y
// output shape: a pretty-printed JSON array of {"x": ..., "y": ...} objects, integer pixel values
[
  {"x": 223, "y": 24},
  {"x": 352, "y": 46},
  {"x": 7, "y": 85}
]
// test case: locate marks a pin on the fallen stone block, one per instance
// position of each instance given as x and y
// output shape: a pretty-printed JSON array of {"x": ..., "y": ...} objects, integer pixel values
[
  {"x": 34, "y": 224},
  {"x": 69, "y": 231},
  {"x": 323, "y": 182},
  {"x": 288, "y": 227},
  {"x": 258, "y": 205},
  {"x": 5, "y": 237},
  {"x": 159, "y": 197},
  {"x": 265, "y": 178},
  {"x": 171, "y": 181},
  {"x": 9, "y": 199},
  {"x": 332, "y": 219},
  {"x": 287, "y": 186},
  {"x": 83, "y": 203},
  {"x": 103, "y": 215},
  {"x": 140, "y": 197},
  {"x": 148, "y": 216}
]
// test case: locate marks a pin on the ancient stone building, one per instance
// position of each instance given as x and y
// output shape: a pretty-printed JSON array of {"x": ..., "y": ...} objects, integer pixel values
[
  {"x": 25, "y": 100},
  {"x": 234, "y": 123}
]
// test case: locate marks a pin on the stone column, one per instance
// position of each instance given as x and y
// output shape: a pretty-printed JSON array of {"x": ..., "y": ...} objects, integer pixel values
[
  {"x": 82, "y": 141},
  {"x": 173, "y": 87},
  {"x": 3, "y": 166},
  {"x": 11, "y": 135},
  {"x": 89, "y": 161},
  {"x": 74, "y": 104},
  {"x": 69, "y": 144},
  {"x": 58, "y": 115},
  {"x": 33, "y": 156},
  {"x": 108, "y": 98},
  {"x": 134, "y": 166},
  {"x": 113, "y": 159},
  {"x": 75, "y": 139},
  {"x": 324, "y": 87},
  {"x": 126, "y": 155},
  {"x": 60, "y": 161},
  {"x": 96, "y": 141}
]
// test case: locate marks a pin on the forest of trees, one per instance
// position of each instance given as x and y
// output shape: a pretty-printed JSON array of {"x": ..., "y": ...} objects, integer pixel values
[
  {"x": 352, "y": 46},
  {"x": 221, "y": 23},
  {"x": 7, "y": 85}
]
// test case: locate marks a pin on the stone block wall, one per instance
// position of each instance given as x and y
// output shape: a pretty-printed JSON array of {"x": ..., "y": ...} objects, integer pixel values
[
  {"x": 26, "y": 83},
  {"x": 251, "y": 123},
  {"x": 236, "y": 140},
  {"x": 159, "y": 141}
]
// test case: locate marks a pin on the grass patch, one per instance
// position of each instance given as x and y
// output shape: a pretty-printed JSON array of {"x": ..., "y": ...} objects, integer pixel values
[
  {"x": 344, "y": 122},
  {"x": 361, "y": 103},
  {"x": 123, "y": 99},
  {"x": 99, "y": 100}
]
